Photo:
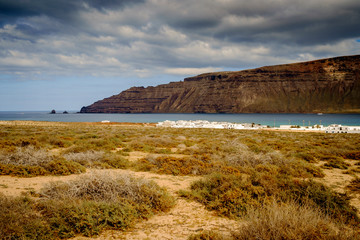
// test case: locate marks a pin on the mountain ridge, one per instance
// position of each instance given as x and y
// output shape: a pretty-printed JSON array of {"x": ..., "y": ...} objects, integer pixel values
[{"x": 329, "y": 85}]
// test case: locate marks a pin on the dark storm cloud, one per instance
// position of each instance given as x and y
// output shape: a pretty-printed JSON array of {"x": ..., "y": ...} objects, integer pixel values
[
  {"x": 108, "y": 37},
  {"x": 65, "y": 10},
  {"x": 300, "y": 22},
  {"x": 111, "y": 4}
]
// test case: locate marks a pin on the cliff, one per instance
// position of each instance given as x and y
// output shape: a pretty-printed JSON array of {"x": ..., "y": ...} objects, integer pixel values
[{"x": 328, "y": 86}]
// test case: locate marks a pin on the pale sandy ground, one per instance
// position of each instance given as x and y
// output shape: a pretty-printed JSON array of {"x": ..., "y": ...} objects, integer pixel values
[{"x": 337, "y": 180}]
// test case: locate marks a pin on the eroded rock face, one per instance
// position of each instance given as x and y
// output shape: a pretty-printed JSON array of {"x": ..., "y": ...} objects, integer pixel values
[{"x": 328, "y": 85}]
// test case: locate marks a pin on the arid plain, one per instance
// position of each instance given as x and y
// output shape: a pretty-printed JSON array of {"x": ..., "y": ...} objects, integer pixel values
[{"x": 136, "y": 181}]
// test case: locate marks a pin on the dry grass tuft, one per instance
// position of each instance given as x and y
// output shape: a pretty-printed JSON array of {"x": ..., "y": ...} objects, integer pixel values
[
  {"x": 29, "y": 161},
  {"x": 86, "y": 206},
  {"x": 100, "y": 186},
  {"x": 85, "y": 158},
  {"x": 291, "y": 221},
  {"x": 20, "y": 221},
  {"x": 233, "y": 195},
  {"x": 209, "y": 235},
  {"x": 26, "y": 156},
  {"x": 354, "y": 185}
]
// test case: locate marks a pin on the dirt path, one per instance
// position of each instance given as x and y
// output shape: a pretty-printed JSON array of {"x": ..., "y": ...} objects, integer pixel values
[
  {"x": 337, "y": 179},
  {"x": 14, "y": 186},
  {"x": 186, "y": 218}
]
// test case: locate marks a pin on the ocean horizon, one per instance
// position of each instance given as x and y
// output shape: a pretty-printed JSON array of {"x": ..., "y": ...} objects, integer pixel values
[{"x": 267, "y": 119}]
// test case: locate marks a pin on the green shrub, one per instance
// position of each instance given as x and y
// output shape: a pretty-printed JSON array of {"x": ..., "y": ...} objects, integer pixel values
[
  {"x": 114, "y": 161},
  {"x": 19, "y": 220},
  {"x": 229, "y": 195},
  {"x": 232, "y": 195},
  {"x": 68, "y": 218},
  {"x": 86, "y": 206},
  {"x": 336, "y": 163},
  {"x": 97, "y": 159},
  {"x": 99, "y": 186},
  {"x": 352, "y": 155},
  {"x": 354, "y": 185},
  {"x": 335, "y": 204},
  {"x": 29, "y": 161},
  {"x": 197, "y": 165},
  {"x": 22, "y": 171},
  {"x": 306, "y": 156},
  {"x": 79, "y": 147},
  {"x": 64, "y": 167},
  {"x": 290, "y": 221},
  {"x": 54, "y": 167},
  {"x": 240, "y": 156}
]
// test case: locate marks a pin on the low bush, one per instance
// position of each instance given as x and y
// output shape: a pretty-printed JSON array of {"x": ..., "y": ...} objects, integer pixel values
[
  {"x": 336, "y": 163},
  {"x": 85, "y": 158},
  {"x": 335, "y": 204},
  {"x": 54, "y": 141},
  {"x": 57, "y": 166},
  {"x": 229, "y": 195},
  {"x": 354, "y": 185},
  {"x": 249, "y": 159},
  {"x": 158, "y": 141},
  {"x": 63, "y": 167},
  {"x": 355, "y": 155},
  {"x": 22, "y": 171},
  {"x": 19, "y": 220},
  {"x": 193, "y": 165},
  {"x": 26, "y": 156},
  {"x": 290, "y": 221},
  {"x": 86, "y": 206},
  {"x": 197, "y": 165},
  {"x": 97, "y": 159},
  {"x": 232, "y": 195},
  {"x": 308, "y": 157},
  {"x": 98, "y": 201},
  {"x": 240, "y": 156},
  {"x": 87, "y": 217},
  {"x": 104, "y": 187},
  {"x": 114, "y": 161}
]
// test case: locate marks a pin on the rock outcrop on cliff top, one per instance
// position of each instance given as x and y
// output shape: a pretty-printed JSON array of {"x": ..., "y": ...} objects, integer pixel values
[{"x": 328, "y": 86}]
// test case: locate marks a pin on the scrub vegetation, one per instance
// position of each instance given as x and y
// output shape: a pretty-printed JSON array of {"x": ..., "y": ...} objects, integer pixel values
[
  {"x": 264, "y": 179},
  {"x": 86, "y": 206}
]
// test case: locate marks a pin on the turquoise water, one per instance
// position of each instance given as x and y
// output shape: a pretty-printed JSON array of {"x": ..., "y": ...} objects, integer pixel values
[{"x": 258, "y": 118}]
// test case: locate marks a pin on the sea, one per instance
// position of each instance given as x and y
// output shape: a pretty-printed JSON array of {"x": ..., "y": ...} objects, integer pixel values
[{"x": 267, "y": 119}]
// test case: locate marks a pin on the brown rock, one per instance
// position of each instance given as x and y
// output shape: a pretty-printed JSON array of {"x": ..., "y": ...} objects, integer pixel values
[{"x": 328, "y": 85}]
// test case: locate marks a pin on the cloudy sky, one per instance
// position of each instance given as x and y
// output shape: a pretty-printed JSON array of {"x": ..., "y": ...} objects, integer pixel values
[{"x": 65, "y": 54}]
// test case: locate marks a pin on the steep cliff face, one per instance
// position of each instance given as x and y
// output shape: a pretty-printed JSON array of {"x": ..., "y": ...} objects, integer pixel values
[{"x": 327, "y": 85}]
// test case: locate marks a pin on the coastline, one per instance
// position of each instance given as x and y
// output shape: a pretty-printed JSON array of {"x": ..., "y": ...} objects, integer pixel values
[
  {"x": 50, "y": 123},
  {"x": 130, "y": 124}
]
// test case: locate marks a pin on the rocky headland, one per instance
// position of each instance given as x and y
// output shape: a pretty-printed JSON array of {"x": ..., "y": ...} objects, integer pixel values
[{"x": 327, "y": 86}]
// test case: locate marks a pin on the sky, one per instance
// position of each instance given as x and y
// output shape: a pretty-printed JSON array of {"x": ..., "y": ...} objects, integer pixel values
[{"x": 65, "y": 54}]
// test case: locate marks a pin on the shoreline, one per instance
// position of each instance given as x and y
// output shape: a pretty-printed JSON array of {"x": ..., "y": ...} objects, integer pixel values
[
  {"x": 124, "y": 124},
  {"x": 55, "y": 123}
]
